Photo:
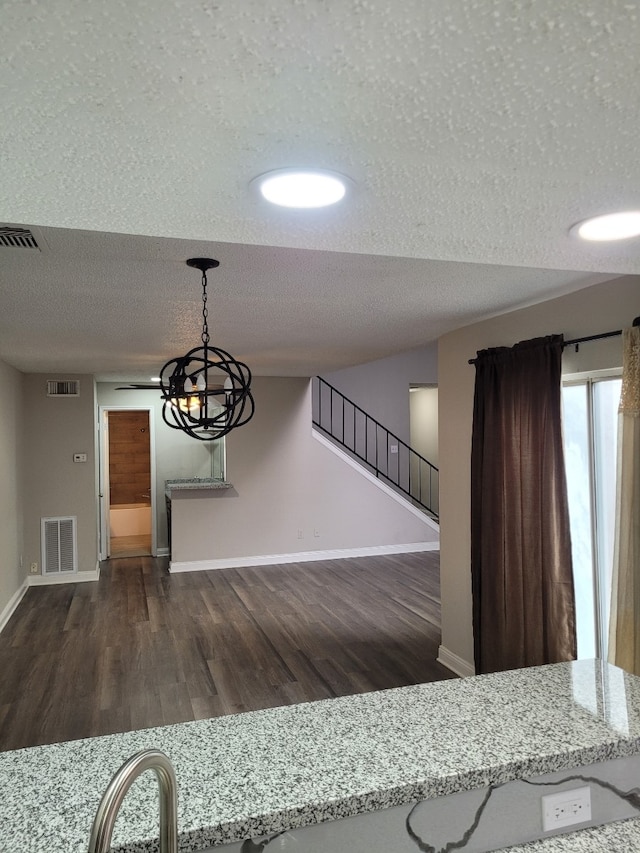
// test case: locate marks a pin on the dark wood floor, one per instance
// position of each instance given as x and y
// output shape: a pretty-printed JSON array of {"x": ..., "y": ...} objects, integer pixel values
[{"x": 142, "y": 648}]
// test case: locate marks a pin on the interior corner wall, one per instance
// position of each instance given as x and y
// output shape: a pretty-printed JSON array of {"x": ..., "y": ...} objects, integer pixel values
[
  {"x": 54, "y": 429},
  {"x": 290, "y": 493},
  {"x": 381, "y": 387},
  {"x": 601, "y": 308},
  {"x": 12, "y": 575}
]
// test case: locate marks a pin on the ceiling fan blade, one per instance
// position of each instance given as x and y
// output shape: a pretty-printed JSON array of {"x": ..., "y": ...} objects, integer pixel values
[{"x": 134, "y": 387}]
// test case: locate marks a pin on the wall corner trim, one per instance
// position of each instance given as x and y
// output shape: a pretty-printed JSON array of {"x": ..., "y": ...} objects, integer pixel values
[
  {"x": 455, "y": 663},
  {"x": 299, "y": 557},
  {"x": 13, "y": 603}
]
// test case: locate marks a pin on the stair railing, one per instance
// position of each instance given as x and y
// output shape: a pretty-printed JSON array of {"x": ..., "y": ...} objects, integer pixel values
[{"x": 382, "y": 452}]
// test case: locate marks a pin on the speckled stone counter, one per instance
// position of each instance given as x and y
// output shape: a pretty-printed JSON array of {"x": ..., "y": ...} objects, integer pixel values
[
  {"x": 194, "y": 483},
  {"x": 256, "y": 774},
  {"x": 614, "y": 837}
]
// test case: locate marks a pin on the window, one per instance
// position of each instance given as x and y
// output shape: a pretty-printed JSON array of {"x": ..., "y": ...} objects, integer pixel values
[{"x": 590, "y": 419}]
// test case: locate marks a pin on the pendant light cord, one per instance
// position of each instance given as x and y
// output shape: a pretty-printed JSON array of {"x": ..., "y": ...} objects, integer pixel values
[{"x": 205, "y": 310}]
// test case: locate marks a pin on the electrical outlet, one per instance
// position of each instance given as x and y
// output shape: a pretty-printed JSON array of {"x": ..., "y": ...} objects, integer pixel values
[
  {"x": 300, "y": 534},
  {"x": 566, "y": 808},
  {"x": 33, "y": 569}
]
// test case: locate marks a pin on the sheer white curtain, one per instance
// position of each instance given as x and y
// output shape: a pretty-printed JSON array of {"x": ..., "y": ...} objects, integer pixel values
[{"x": 624, "y": 633}]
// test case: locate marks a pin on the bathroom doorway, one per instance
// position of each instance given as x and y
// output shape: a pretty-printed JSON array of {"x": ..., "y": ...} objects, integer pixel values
[{"x": 127, "y": 483}]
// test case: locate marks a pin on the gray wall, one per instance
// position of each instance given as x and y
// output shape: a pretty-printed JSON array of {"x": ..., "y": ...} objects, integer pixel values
[
  {"x": 55, "y": 485},
  {"x": 11, "y": 431},
  {"x": 605, "y": 307},
  {"x": 381, "y": 387},
  {"x": 285, "y": 481}
]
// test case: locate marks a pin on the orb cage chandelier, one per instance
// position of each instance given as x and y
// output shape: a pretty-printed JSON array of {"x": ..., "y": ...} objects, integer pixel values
[{"x": 206, "y": 392}]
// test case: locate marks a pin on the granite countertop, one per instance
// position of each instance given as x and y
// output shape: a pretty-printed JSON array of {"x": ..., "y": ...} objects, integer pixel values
[
  {"x": 255, "y": 774},
  {"x": 191, "y": 483},
  {"x": 620, "y": 836}
]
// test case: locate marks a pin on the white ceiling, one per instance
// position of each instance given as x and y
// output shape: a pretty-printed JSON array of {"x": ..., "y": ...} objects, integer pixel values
[{"x": 476, "y": 134}]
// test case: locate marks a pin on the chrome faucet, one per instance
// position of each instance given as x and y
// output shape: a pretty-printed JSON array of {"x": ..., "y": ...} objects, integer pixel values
[{"x": 147, "y": 759}]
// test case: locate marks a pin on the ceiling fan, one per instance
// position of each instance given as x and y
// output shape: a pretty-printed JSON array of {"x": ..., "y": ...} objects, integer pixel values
[
  {"x": 139, "y": 387},
  {"x": 212, "y": 385}
]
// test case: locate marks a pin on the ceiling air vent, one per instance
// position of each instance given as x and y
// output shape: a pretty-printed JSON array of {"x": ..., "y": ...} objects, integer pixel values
[
  {"x": 63, "y": 387},
  {"x": 17, "y": 238}
]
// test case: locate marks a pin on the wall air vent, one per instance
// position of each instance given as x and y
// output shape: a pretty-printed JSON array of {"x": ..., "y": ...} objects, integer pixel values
[
  {"x": 17, "y": 238},
  {"x": 59, "y": 549},
  {"x": 63, "y": 387}
]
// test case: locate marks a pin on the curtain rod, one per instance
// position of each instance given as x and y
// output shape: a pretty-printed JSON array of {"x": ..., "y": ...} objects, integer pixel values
[{"x": 577, "y": 341}]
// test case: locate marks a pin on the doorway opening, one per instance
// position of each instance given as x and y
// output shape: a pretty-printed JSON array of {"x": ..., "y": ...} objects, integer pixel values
[{"x": 128, "y": 484}]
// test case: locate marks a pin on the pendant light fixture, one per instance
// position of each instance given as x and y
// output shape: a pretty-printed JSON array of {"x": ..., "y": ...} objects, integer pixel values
[{"x": 206, "y": 392}]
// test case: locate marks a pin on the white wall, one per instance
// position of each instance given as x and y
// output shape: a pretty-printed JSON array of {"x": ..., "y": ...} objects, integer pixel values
[
  {"x": 285, "y": 481},
  {"x": 11, "y": 432},
  {"x": 423, "y": 414},
  {"x": 55, "y": 485},
  {"x": 602, "y": 308},
  {"x": 381, "y": 387}
]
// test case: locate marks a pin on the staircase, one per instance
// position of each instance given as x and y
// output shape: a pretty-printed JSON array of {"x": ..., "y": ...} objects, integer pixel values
[{"x": 379, "y": 450}]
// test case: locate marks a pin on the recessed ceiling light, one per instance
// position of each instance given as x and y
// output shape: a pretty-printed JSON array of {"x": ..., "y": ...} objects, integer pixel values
[
  {"x": 611, "y": 226},
  {"x": 302, "y": 189}
]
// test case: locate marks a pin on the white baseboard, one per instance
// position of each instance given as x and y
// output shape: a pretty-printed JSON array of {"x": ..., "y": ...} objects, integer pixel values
[
  {"x": 429, "y": 522},
  {"x": 455, "y": 663},
  {"x": 13, "y": 602},
  {"x": 67, "y": 577},
  {"x": 299, "y": 557}
]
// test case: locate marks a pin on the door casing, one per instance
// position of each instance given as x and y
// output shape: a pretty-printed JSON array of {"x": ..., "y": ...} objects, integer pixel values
[{"x": 103, "y": 486}]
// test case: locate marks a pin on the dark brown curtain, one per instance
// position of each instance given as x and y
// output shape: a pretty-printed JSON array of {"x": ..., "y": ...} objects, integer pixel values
[{"x": 523, "y": 600}]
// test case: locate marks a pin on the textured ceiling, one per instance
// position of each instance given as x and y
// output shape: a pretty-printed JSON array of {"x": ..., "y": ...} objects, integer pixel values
[{"x": 475, "y": 132}]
